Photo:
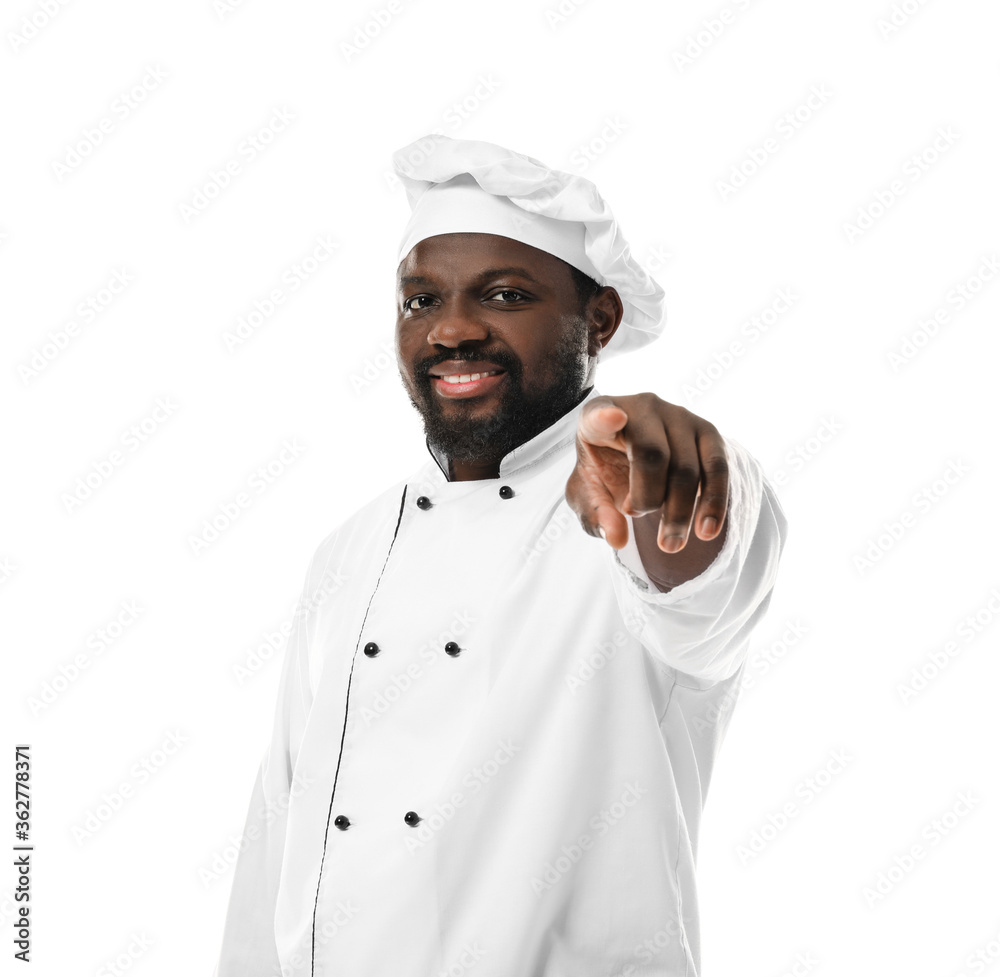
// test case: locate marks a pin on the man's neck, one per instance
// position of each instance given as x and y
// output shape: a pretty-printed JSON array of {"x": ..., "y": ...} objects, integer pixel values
[{"x": 467, "y": 471}]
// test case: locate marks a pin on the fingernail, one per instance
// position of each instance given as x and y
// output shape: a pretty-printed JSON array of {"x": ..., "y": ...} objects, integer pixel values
[
  {"x": 604, "y": 535},
  {"x": 673, "y": 543},
  {"x": 708, "y": 524}
]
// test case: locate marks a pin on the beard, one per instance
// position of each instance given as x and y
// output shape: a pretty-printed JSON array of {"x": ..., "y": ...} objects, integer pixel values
[{"x": 519, "y": 414}]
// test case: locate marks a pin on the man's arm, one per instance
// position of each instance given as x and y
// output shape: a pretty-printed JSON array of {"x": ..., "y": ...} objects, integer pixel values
[
  {"x": 249, "y": 947},
  {"x": 698, "y": 603}
]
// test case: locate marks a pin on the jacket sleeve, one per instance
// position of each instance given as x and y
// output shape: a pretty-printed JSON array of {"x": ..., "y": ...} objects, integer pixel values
[
  {"x": 702, "y": 627},
  {"x": 248, "y": 942}
]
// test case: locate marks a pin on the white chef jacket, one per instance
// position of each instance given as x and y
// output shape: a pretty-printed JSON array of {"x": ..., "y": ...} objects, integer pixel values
[{"x": 494, "y": 736}]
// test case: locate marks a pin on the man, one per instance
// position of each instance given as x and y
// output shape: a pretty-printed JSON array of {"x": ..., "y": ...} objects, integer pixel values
[{"x": 495, "y": 730}]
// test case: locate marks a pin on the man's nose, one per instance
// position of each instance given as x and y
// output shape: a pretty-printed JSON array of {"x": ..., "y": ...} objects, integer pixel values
[{"x": 456, "y": 323}]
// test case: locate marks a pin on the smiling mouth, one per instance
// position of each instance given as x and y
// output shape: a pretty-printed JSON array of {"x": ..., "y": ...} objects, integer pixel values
[
  {"x": 467, "y": 377},
  {"x": 464, "y": 386}
]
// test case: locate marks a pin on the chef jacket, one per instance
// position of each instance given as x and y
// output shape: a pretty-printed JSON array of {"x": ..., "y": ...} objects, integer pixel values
[{"x": 494, "y": 736}]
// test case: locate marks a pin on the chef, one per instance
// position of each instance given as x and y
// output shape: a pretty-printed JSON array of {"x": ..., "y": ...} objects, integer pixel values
[{"x": 510, "y": 673}]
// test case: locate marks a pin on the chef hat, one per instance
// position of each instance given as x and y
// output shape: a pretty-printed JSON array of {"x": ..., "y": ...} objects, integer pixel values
[{"x": 457, "y": 185}]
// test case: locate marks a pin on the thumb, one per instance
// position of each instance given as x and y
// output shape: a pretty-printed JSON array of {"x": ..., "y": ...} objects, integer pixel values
[{"x": 593, "y": 503}]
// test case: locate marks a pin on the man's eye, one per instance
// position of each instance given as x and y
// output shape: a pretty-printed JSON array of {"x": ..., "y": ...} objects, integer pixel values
[
  {"x": 507, "y": 292},
  {"x": 407, "y": 307}
]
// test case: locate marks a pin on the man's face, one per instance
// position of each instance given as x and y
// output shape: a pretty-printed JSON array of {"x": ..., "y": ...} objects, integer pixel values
[{"x": 479, "y": 303}]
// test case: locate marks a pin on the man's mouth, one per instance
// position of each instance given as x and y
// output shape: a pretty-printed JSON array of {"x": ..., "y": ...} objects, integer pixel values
[
  {"x": 470, "y": 384},
  {"x": 466, "y": 377}
]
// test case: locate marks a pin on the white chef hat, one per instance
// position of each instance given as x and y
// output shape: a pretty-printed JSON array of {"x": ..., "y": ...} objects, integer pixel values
[{"x": 456, "y": 185}]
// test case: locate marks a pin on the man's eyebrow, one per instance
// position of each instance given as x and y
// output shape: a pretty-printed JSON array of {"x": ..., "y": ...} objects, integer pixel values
[
  {"x": 480, "y": 279},
  {"x": 510, "y": 270},
  {"x": 415, "y": 280}
]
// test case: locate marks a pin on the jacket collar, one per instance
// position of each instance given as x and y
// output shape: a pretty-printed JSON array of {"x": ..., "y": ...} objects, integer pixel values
[{"x": 546, "y": 443}]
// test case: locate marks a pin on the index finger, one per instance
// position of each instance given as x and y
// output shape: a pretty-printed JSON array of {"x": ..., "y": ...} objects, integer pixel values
[{"x": 600, "y": 428}]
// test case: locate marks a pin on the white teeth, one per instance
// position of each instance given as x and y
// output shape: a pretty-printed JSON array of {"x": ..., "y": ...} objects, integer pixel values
[{"x": 466, "y": 377}]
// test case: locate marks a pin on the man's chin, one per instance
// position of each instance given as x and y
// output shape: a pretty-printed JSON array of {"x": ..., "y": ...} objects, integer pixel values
[
  {"x": 468, "y": 430},
  {"x": 474, "y": 429}
]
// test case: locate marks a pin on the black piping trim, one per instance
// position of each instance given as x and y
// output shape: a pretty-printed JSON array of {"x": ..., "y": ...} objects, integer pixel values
[{"x": 343, "y": 733}]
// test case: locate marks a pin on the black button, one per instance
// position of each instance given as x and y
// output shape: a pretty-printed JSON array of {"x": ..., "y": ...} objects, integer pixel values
[
  {"x": 412, "y": 818},
  {"x": 506, "y": 492},
  {"x": 371, "y": 649},
  {"x": 423, "y": 502},
  {"x": 452, "y": 649},
  {"x": 341, "y": 822}
]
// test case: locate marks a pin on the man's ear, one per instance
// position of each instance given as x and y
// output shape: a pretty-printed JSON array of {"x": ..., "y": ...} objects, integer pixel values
[{"x": 606, "y": 312}]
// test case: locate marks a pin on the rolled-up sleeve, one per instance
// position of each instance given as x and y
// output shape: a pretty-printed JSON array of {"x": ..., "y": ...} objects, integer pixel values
[
  {"x": 248, "y": 942},
  {"x": 702, "y": 627}
]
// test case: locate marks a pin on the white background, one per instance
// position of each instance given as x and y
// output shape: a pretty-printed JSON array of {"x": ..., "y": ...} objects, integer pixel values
[{"x": 601, "y": 92}]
